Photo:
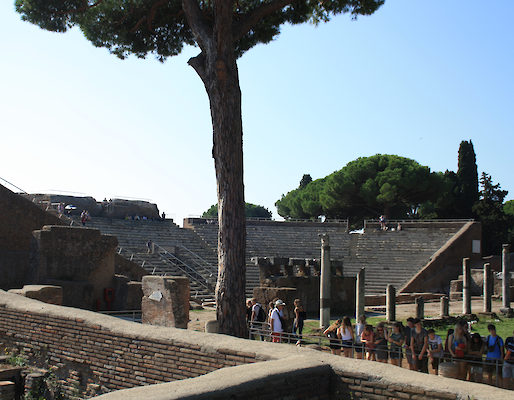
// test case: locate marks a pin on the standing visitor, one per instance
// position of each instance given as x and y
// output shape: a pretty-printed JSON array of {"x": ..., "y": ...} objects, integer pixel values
[
  {"x": 258, "y": 318},
  {"x": 381, "y": 343},
  {"x": 335, "y": 342},
  {"x": 83, "y": 217},
  {"x": 299, "y": 318},
  {"x": 494, "y": 356},
  {"x": 408, "y": 334},
  {"x": 447, "y": 354},
  {"x": 476, "y": 348},
  {"x": 457, "y": 346},
  {"x": 347, "y": 336},
  {"x": 277, "y": 322},
  {"x": 435, "y": 350},
  {"x": 419, "y": 346},
  {"x": 368, "y": 338},
  {"x": 508, "y": 363},
  {"x": 359, "y": 328},
  {"x": 249, "y": 306},
  {"x": 396, "y": 338}
]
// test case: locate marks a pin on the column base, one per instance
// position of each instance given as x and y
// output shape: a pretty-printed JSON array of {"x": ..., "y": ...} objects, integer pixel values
[{"x": 508, "y": 312}]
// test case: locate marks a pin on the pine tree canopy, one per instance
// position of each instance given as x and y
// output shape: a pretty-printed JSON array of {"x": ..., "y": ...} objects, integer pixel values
[{"x": 159, "y": 27}]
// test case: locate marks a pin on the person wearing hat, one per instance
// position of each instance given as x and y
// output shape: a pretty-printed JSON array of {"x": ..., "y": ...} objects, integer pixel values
[{"x": 276, "y": 321}]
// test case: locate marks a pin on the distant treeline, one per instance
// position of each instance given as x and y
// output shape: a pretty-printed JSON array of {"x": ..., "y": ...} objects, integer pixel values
[{"x": 401, "y": 188}]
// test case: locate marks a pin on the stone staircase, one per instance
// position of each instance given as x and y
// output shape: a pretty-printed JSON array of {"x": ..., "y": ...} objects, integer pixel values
[
  {"x": 177, "y": 251},
  {"x": 390, "y": 257}
]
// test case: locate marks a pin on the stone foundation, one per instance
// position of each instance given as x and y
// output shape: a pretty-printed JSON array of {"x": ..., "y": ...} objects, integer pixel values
[{"x": 165, "y": 301}]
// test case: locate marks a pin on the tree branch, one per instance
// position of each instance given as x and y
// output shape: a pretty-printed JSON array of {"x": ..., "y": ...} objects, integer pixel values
[
  {"x": 198, "y": 25},
  {"x": 198, "y": 64},
  {"x": 251, "y": 18}
]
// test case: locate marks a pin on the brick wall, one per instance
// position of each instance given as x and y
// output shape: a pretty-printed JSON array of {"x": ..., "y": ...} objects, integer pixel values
[
  {"x": 90, "y": 349},
  {"x": 96, "y": 353}
]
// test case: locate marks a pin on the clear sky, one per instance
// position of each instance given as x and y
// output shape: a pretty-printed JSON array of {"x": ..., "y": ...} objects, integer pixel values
[{"x": 414, "y": 79}]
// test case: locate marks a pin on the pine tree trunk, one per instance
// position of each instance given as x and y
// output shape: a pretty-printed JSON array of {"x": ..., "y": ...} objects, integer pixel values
[
  {"x": 225, "y": 100},
  {"x": 216, "y": 65}
]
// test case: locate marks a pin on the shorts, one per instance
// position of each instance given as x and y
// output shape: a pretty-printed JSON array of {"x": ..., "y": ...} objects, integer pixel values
[
  {"x": 275, "y": 337},
  {"x": 396, "y": 354},
  {"x": 490, "y": 366},
  {"x": 347, "y": 344},
  {"x": 508, "y": 370},
  {"x": 434, "y": 362},
  {"x": 335, "y": 344}
]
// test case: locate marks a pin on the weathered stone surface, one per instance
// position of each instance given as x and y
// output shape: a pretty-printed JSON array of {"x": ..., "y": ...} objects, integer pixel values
[
  {"x": 297, "y": 261},
  {"x": 63, "y": 253},
  {"x": 46, "y": 293},
  {"x": 165, "y": 301},
  {"x": 134, "y": 295}
]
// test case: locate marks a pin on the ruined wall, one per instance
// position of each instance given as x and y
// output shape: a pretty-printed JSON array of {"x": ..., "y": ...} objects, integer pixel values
[
  {"x": 446, "y": 263},
  {"x": 78, "y": 259},
  {"x": 89, "y": 348},
  {"x": 18, "y": 218},
  {"x": 103, "y": 353}
]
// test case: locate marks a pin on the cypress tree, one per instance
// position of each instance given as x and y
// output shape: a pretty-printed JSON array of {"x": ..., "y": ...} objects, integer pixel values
[{"x": 468, "y": 179}]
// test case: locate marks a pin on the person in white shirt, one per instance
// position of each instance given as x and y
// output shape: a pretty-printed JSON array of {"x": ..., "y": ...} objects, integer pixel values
[
  {"x": 359, "y": 327},
  {"x": 276, "y": 321}
]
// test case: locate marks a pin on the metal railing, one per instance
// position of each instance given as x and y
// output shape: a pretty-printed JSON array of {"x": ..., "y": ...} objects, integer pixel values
[
  {"x": 195, "y": 258},
  {"x": 466, "y": 368},
  {"x": 190, "y": 272}
]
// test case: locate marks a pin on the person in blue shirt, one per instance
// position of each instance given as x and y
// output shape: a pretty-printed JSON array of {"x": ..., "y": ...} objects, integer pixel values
[{"x": 494, "y": 356}]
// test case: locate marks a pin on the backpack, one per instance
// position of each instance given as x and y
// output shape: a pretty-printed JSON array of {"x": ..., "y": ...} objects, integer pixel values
[
  {"x": 490, "y": 349},
  {"x": 261, "y": 315}
]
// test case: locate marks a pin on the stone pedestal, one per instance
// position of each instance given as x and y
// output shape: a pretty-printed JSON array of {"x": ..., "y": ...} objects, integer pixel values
[
  {"x": 360, "y": 295},
  {"x": 506, "y": 280},
  {"x": 324, "y": 289},
  {"x": 488, "y": 287},
  {"x": 445, "y": 307},
  {"x": 165, "y": 301},
  {"x": 420, "y": 308},
  {"x": 212, "y": 326},
  {"x": 390, "y": 303},
  {"x": 46, "y": 293},
  {"x": 264, "y": 268},
  {"x": 466, "y": 286},
  {"x": 314, "y": 266}
]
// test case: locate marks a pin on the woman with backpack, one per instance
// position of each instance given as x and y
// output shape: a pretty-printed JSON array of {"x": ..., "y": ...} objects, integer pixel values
[{"x": 335, "y": 342}]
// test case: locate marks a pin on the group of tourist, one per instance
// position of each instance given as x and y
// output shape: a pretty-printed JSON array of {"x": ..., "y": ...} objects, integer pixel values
[
  {"x": 274, "y": 320},
  {"x": 420, "y": 346},
  {"x": 468, "y": 353}
]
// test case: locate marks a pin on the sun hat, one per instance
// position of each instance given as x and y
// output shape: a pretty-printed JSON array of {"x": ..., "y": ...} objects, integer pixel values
[{"x": 279, "y": 303}]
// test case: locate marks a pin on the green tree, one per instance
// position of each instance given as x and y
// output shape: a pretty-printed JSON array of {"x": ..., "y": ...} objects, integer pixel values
[
  {"x": 251, "y": 211},
  {"x": 468, "y": 180},
  {"x": 489, "y": 210},
  {"x": 365, "y": 188},
  {"x": 382, "y": 184},
  {"x": 508, "y": 208},
  {"x": 223, "y": 30},
  {"x": 446, "y": 191},
  {"x": 306, "y": 179}
]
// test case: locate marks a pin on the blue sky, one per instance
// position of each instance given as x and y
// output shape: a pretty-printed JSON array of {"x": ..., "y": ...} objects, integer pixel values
[{"x": 414, "y": 79}]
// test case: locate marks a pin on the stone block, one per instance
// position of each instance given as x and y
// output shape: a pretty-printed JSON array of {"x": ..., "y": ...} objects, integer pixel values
[
  {"x": 79, "y": 294},
  {"x": 165, "y": 301},
  {"x": 46, "y": 293},
  {"x": 278, "y": 261},
  {"x": 297, "y": 261},
  {"x": 134, "y": 295}
]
